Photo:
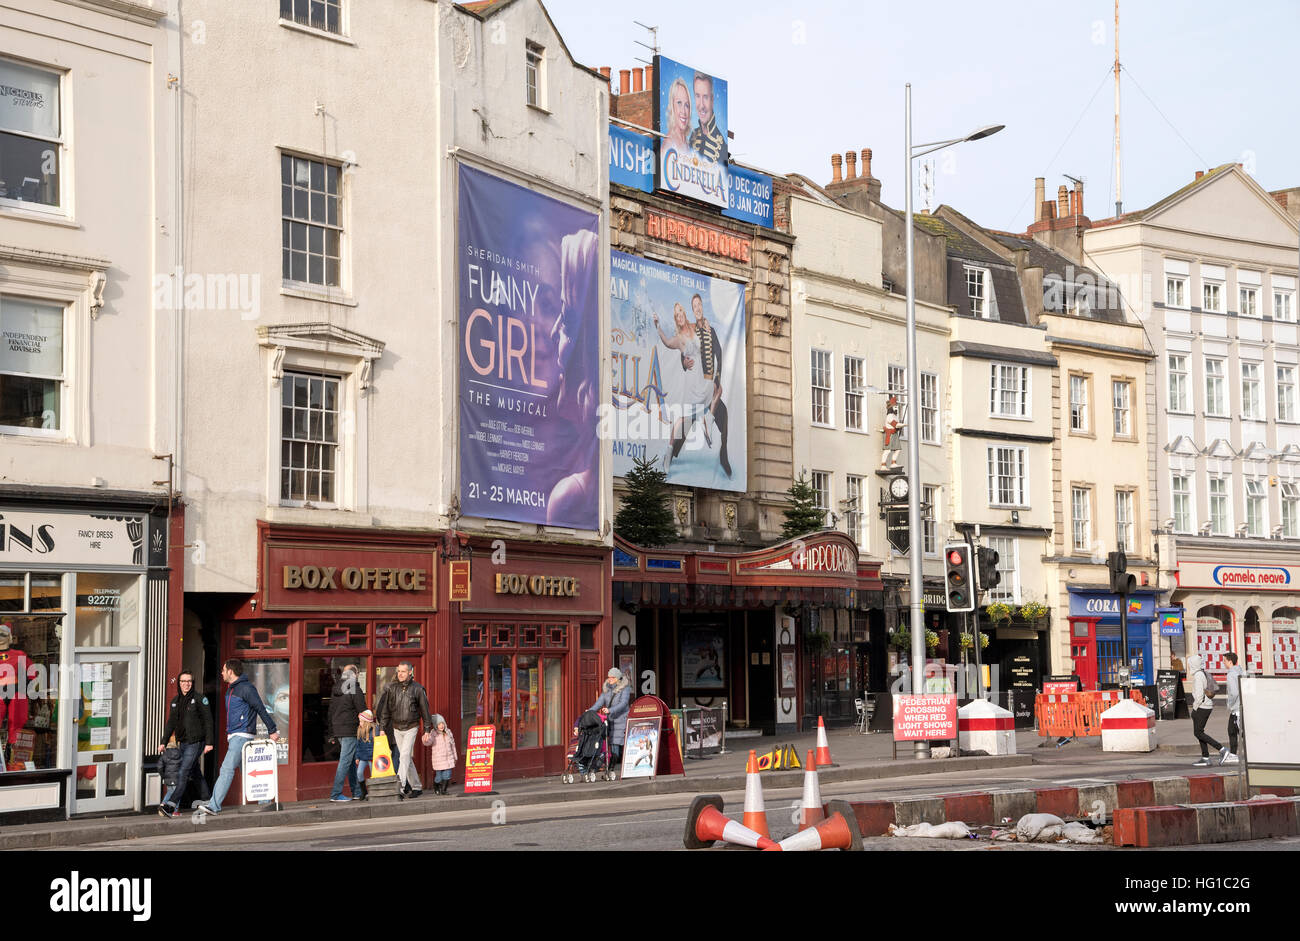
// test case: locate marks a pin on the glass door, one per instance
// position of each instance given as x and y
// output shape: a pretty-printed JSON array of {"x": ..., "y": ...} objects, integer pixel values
[{"x": 107, "y": 748}]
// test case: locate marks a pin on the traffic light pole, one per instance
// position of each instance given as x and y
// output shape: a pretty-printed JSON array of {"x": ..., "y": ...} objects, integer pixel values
[{"x": 975, "y": 619}]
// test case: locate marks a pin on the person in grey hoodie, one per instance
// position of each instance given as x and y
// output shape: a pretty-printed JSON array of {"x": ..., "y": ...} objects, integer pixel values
[
  {"x": 1235, "y": 673},
  {"x": 614, "y": 702},
  {"x": 1202, "y": 707}
]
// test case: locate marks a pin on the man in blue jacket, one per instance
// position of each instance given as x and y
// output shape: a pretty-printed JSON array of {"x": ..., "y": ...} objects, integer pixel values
[{"x": 243, "y": 708}]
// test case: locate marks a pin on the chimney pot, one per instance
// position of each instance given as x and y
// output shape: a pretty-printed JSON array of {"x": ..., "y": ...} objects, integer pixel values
[
  {"x": 1062, "y": 202},
  {"x": 1078, "y": 191},
  {"x": 866, "y": 163},
  {"x": 649, "y": 78},
  {"x": 604, "y": 70},
  {"x": 1200, "y": 173},
  {"x": 624, "y": 80},
  {"x": 836, "y": 162},
  {"x": 636, "y": 79},
  {"x": 1040, "y": 197},
  {"x": 851, "y": 171}
]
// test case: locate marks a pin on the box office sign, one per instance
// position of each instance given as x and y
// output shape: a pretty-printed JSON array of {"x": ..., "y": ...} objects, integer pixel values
[
  {"x": 537, "y": 585},
  {"x": 50, "y": 537},
  {"x": 315, "y": 578}
]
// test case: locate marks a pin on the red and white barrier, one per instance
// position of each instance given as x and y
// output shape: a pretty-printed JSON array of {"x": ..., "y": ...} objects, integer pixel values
[
  {"x": 985, "y": 726},
  {"x": 1128, "y": 727}
]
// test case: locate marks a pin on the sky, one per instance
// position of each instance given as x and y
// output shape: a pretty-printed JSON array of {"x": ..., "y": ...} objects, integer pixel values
[{"x": 1202, "y": 84}]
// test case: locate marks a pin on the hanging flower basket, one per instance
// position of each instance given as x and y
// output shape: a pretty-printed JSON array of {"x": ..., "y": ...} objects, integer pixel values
[
  {"x": 1033, "y": 610},
  {"x": 931, "y": 640},
  {"x": 999, "y": 612},
  {"x": 902, "y": 639},
  {"x": 967, "y": 642}
]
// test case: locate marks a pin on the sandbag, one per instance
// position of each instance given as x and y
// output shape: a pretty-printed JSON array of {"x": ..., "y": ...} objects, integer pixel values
[
  {"x": 1039, "y": 828},
  {"x": 952, "y": 830}
]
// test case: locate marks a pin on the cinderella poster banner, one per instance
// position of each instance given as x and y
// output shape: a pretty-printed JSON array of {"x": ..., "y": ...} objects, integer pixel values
[
  {"x": 677, "y": 348},
  {"x": 691, "y": 114},
  {"x": 528, "y": 272}
]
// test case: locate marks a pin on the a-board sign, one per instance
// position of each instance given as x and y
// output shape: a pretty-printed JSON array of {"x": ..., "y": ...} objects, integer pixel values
[
  {"x": 925, "y": 718},
  {"x": 704, "y": 730},
  {"x": 1169, "y": 688},
  {"x": 1061, "y": 684},
  {"x": 480, "y": 756},
  {"x": 641, "y": 747},
  {"x": 260, "y": 777},
  {"x": 1270, "y": 716}
]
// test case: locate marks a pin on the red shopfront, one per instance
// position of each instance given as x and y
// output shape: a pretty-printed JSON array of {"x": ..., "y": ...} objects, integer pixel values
[
  {"x": 529, "y": 650},
  {"x": 327, "y": 597}
]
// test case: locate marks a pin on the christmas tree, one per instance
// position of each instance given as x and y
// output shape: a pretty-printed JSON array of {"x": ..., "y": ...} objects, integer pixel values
[
  {"x": 645, "y": 518},
  {"x": 803, "y": 515}
]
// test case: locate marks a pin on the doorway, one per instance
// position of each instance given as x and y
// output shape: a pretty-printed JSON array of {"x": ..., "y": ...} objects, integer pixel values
[
  {"x": 107, "y": 734},
  {"x": 760, "y": 628}
]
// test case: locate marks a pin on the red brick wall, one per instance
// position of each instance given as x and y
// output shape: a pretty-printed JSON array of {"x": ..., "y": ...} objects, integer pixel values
[{"x": 634, "y": 107}]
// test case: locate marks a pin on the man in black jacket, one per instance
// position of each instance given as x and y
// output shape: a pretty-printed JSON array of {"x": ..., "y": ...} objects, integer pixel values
[
  {"x": 405, "y": 704},
  {"x": 346, "y": 703},
  {"x": 190, "y": 718}
]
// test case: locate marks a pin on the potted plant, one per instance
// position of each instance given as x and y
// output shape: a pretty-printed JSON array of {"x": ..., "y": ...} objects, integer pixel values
[
  {"x": 902, "y": 639},
  {"x": 998, "y": 611},
  {"x": 1033, "y": 610}
]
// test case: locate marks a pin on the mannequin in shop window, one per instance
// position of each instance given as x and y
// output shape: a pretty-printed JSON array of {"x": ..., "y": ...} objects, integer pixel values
[{"x": 15, "y": 672}]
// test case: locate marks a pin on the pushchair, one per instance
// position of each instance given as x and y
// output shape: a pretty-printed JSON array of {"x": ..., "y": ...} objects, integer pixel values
[{"x": 588, "y": 753}]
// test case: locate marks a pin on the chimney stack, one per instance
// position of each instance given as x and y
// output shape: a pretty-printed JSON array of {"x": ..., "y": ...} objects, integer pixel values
[
  {"x": 1062, "y": 202},
  {"x": 1200, "y": 173},
  {"x": 624, "y": 80},
  {"x": 851, "y": 171},
  {"x": 1040, "y": 196},
  {"x": 836, "y": 162}
]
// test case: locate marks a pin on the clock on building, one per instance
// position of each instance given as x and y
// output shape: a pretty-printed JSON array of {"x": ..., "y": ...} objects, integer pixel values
[{"x": 899, "y": 489}]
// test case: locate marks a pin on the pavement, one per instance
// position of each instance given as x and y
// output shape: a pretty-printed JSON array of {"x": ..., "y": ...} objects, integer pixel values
[{"x": 856, "y": 757}]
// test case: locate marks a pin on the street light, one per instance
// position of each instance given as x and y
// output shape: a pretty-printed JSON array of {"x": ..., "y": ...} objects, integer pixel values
[{"x": 914, "y": 439}]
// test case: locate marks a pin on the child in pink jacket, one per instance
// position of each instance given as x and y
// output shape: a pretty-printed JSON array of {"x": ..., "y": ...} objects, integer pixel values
[{"x": 442, "y": 747}]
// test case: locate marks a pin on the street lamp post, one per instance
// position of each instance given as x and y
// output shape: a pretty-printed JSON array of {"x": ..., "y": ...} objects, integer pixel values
[{"x": 914, "y": 439}]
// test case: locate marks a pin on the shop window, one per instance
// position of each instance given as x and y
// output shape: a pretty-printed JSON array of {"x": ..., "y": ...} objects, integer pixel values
[
  {"x": 474, "y": 635},
  {"x": 29, "y": 674},
  {"x": 47, "y": 593},
  {"x": 557, "y": 635},
  {"x": 13, "y": 592},
  {"x": 337, "y": 636},
  {"x": 503, "y": 635},
  {"x": 530, "y": 635},
  {"x": 319, "y": 675},
  {"x": 521, "y": 694},
  {"x": 398, "y": 636},
  {"x": 271, "y": 680},
  {"x": 108, "y": 610},
  {"x": 261, "y": 637},
  {"x": 588, "y": 636}
]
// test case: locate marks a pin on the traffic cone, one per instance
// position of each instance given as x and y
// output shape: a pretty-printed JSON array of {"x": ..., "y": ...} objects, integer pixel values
[
  {"x": 837, "y": 832},
  {"x": 755, "y": 813},
  {"x": 706, "y": 824},
  {"x": 810, "y": 809},
  {"x": 823, "y": 747}
]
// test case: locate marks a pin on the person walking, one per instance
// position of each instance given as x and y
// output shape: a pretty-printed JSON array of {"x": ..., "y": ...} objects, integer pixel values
[
  {"x": 189, "y": 718},
  {"x": 614, "y": 702},
  {"x": 244, "y": 707},
  {"x": 406, "y": 705},
  {"x": 442, "y": 754},
  {"x": 365, "y": 749},
  {"x": 1235, "y": 673},
  {"x": 1203, "y": 689},
  {"x": 347, "y": 702}
]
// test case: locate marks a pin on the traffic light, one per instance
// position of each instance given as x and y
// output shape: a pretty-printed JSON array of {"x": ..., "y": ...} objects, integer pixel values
[
  {"x": 958, "y": 577},
  {"x": 1121, "y": 583},
  {"x": 987, "y": 563}
]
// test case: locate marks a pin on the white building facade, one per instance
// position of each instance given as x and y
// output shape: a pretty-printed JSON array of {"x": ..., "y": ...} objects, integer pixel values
[{"x": 86, "y": 401}]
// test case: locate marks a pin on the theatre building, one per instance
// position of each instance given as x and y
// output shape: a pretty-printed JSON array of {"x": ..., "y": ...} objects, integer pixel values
[{"x": 781, "y": 635}]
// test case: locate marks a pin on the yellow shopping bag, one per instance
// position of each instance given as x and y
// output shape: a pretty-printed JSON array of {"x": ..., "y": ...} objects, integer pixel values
[{"x": 382, "y": 765}]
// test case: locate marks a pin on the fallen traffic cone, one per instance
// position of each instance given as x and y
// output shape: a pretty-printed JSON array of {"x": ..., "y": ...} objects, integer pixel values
[
  {"x": 706, "y": 824},
  {"x": 823, "y": 747},
  {"x": 839, "y": 831},
  {"x": 755, "y": 813},
  {"x": 810, "y": 809}
]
